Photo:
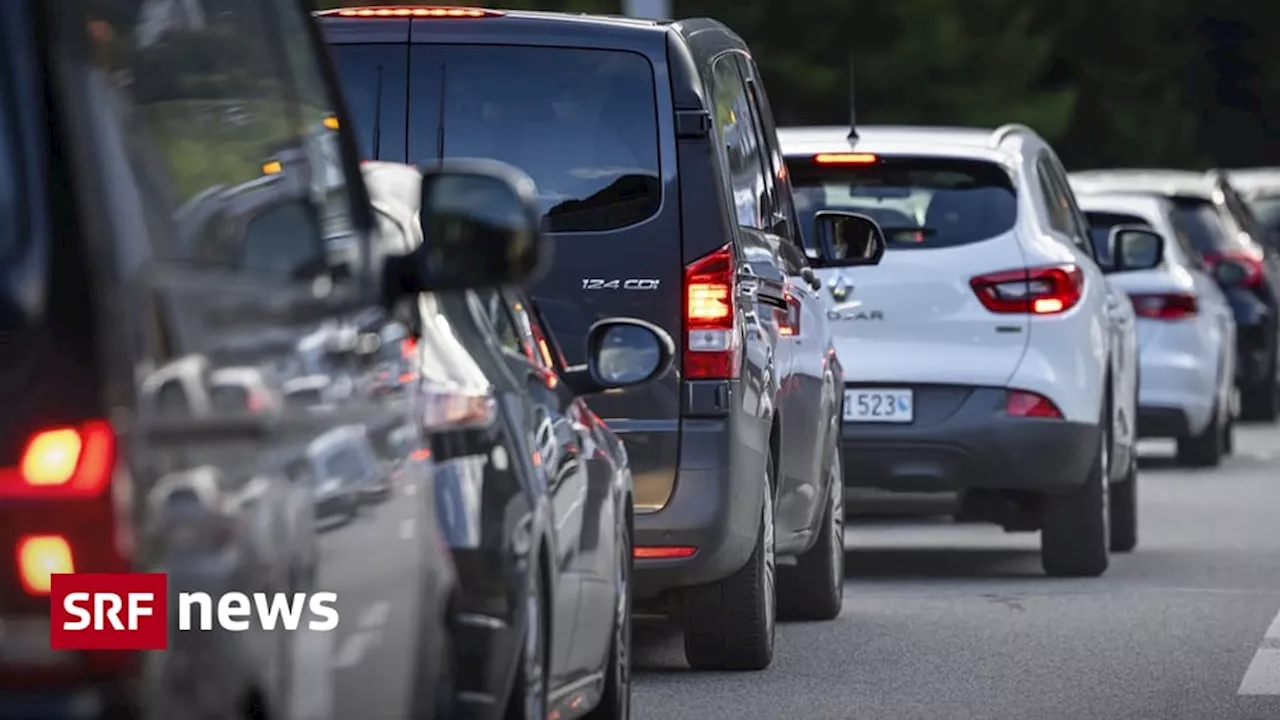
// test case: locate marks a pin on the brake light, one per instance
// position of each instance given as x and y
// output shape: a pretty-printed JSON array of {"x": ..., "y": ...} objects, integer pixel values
[
  {"x": 1039, "y": 291},
  {"x": 413, "y": 12},
  {"x": 63, "y": 462},
  {"x": 846, "y": 159},
  {"x": 1254, "y": 270},
  {"x": 39, "y": 558},
  {"x": 789, "y": 319},
  {"x": 1023, "y": 403},
  {"x": 710, "y": 317},
  {"x": 663, "y": 552},
  {"x": 1165, "y": 306}
]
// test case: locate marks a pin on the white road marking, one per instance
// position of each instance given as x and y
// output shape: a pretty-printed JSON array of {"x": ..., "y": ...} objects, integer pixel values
[
  {"x": 1263, "y": 675},
  {"x": 369, "y": 634},
  {"x": 406, "y": 529}
]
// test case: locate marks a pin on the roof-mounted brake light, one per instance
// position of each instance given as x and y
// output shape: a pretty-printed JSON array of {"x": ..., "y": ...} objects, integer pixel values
[
  {"x": 846, "y": 159},
  {"x": 413, "y": 12}
]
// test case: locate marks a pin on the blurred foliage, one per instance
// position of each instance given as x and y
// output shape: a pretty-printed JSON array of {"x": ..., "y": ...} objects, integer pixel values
[{"x": 1109, "y": 82}]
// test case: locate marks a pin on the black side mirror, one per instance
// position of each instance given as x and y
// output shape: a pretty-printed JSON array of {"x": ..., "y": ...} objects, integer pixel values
[
  {"x": 1230, "y": 273},
  {"x": 1133, "y": 247},
  {"x": 621, "y": 353},
  {"x": 846, "y": 239},
  {"x": 480, "y": 227}
]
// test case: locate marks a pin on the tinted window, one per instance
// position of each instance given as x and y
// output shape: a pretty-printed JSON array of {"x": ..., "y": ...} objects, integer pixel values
[
  {"x": 374, "y": 78},
  {"x": 582, "y": 123},
  {"x": 1203, "y": 225},
  {"x": 1267, "y": 210},
  {"x": 10, "y": 200},
  {"x": 919, "y": 202},
  {"x": 745, "y": 157},
  {"x": 229, "y": 398},
  {"x": 1100, "y": 224},
  {"x": 346, "y": 464}
]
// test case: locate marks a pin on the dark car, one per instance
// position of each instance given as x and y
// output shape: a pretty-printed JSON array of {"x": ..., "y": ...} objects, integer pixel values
[
  {"x": 1220, "y": 227},
  {"x": 652, "y": 149},
  {"x": 113, "y": 118},
  {"x": 534, "y": 496}
]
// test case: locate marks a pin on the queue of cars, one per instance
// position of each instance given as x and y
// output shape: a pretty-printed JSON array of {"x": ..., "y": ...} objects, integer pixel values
[{"x": 507, "y": 326}]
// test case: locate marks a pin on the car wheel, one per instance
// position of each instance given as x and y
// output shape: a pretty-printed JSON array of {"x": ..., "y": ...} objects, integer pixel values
[
  {"x": 813, "y": 589},
  {"x": 529, "y": 694},
  {"x": 1075, "y": 526},
  {"x": 616, "y": 702},
  {"x": 729, "y": 625},
  {"x": 1205, "y": 449},
  {"x": 1123, "y": 501}
]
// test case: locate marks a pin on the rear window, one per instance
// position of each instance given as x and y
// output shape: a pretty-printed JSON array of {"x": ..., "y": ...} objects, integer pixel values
[
  {"x": 920, "y": 203},
  {"x": 346, "y": 464},
  {"x": 1204, "y": 226},
  {"x": 1267, "y": 210},
  {"x": 582, "y": 123},
  {"x": 1100, "y": 224}
]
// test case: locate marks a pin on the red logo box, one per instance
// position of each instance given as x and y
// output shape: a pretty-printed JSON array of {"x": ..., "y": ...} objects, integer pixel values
[{"x": 109, "y": 611}]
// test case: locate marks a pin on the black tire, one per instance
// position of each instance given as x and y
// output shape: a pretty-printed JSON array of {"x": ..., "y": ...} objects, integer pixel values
[
  {"x": 615, "y": 704},
  {"x": 813, "y": 589},
  {"x": 1207, "y": 448},
  {"x": 1260, "y": 402},
  {"x": 1074, "y": 527},
  {"x": 1229, "y": 436},
  {"x": 528, "y": 699},
  {"x": 1124, "y": 509},
  {"x": 730, "y": 624}
]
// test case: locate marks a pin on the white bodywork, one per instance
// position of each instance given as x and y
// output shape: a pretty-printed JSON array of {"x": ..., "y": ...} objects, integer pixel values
[
  {"x": 1187, "y": 364},
  {"x": 935, "y": 329}
]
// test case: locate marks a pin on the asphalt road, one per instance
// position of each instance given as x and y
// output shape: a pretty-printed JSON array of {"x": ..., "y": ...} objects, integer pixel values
[{"x": 957, "y": 622}]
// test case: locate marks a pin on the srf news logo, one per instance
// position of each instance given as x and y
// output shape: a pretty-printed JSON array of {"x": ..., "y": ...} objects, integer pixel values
[{"x": 130, "y": 611}]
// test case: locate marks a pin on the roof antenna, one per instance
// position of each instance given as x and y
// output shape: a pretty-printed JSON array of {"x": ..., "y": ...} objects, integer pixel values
[{"x": 853, "y": 105}]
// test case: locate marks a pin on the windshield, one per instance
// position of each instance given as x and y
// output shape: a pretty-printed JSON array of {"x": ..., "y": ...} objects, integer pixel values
[
  {"x": 921, "y": 203},
  {"x": 1100, "y": 224},
  {"x": 345, "y": 464},
  {"x": 1203, "y": 225}
]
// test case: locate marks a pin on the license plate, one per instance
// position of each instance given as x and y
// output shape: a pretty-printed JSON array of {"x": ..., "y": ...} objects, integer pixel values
[{"x": 879, "y": 405}]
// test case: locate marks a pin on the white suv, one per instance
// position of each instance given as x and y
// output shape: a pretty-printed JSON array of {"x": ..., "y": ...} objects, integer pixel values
[{"x": 987, "y": 353}]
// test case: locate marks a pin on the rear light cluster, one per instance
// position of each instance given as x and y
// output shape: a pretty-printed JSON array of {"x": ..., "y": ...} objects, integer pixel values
[
  {"x": 1024, "y": 403},
  {"x": 1165, "y": 306},
  {"x": 62, "y": 463},
  {"x": 1254, "y": 269},
  {"x": 711, "y": 347},
  {"x": 1039, "y": 291}
]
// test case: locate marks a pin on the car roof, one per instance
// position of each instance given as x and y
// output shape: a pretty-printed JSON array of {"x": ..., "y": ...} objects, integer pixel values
[
  {"x": 1256, "y": 181},
  {"x": 940, "y": 141},
  {"x": 1149, "y": 206},
  {"x": 1188, "y": 183}
]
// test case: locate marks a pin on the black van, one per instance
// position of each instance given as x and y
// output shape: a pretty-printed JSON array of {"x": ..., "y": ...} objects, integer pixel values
[{"x": 659, "y": 176}]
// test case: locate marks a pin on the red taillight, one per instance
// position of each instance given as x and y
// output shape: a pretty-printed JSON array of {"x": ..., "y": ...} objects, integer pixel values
[
  {"x": 40, "y": 557},
  {"x": 1039, "y": 291},
  {"x": 63, "y": 462},
  {"x": 664, "y": 552},
  {"x": 1023, "y": 403},
  {"x": 710, "y": 317},
  {"x": 1165, "y": 306},
  {"x": 413, "y": 12},
  {"x": 1254, "y": 270}
]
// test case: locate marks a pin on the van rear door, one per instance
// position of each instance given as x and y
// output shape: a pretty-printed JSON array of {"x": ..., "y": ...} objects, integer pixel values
[{"x": 584, "y": 123}]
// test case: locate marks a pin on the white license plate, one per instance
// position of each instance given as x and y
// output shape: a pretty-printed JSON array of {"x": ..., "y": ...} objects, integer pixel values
[{"x": 879, "y": 405}]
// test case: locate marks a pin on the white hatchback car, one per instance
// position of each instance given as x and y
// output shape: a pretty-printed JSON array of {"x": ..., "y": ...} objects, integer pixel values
[
  {"x": 1186, "y": 331},
  {"x": 987, "y": 353}
]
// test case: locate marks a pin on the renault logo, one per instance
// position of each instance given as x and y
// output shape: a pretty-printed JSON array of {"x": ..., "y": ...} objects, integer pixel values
[{"x": 840, "y": 288}]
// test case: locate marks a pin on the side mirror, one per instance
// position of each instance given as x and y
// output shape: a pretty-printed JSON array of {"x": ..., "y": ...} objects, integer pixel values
[
  {"x": 480, "y": 227},
  {"x": 621, "y": 353},
  {"x": 846, "y": 239},
  {"x": 1230, "y": 273},
  {"x": 1134, "y": 247}
]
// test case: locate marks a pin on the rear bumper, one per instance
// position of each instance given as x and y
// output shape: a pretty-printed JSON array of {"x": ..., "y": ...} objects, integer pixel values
[
  {"x": 715, "y": 506},
  {"x": 962, "y": 439},
  {"x": 1176, "y": 393}
]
